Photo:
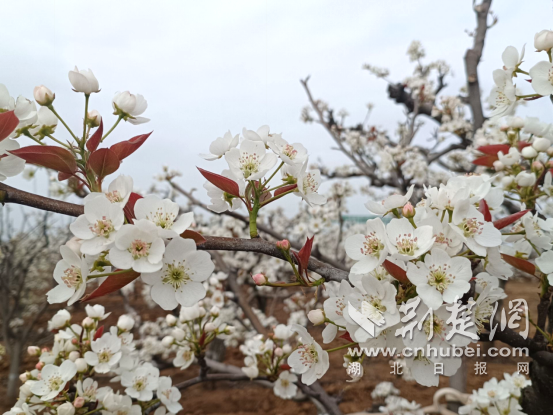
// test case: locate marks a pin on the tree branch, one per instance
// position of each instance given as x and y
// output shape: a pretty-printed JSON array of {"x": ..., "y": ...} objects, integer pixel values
[
  {"x": 472, "y": 59},
  {"x": 12, "y": 195}
]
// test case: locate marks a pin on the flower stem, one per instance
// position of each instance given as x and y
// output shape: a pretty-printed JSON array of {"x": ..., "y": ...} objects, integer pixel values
[
  {"x": 86, "y": 98},
  {"x": 253, "y": 219},
  {"x": 345, "y": 346},
  {"x": 51, "y": 108},
  {"x": 112, "y": 128},
  {"x": 107, "y": 274}
]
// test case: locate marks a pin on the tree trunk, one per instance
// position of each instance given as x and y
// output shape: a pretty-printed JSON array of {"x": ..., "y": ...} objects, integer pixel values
[
  {"x": 13, "y": 377},
  {"x": 537, "y": 399}
]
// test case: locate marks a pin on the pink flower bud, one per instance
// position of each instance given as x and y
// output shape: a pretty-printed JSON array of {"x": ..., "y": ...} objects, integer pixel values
[
  {"x": 45, "y": 350},
  {"x": 408, "y": 210},
  {"x": 39, "y": 365},
  {"x": 259, "y": 279},
  {"x": 279, "y": 352},
  {"x": 283, "y": 245},
  {"x": 43, "y": 96},
  {"x": 79, "y": 402},
  {"x": 537, "y": 166},
  {"x": 74, "y": 341}
]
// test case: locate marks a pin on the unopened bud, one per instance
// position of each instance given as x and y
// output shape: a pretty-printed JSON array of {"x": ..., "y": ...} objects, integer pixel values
[
  {"x": 316, "y": 316},
  {"x": 39, "y": 365},
  {"x": 202, "y": 311},
  {"x": 537, "y": 166},
  {"x": 214, "y": 311},
  {"x": 171, "y": 320},
  {"x": 550, "y": 151},
  {"x": 66, "y": 409},
  {"x": 167, "y": 341},
  {"x": 525, "y": 179},
  {"x": 283, "y": 245},
  {"x": 33, "y": 351},
  {"x": 279, "y": 352},
  {"x": 209, "y": 327},
  {"x": 43, "y": 96},
  {"x": 230, "y": 329},
  {"x": 23, "y": 377},
  {"x": 355, "y": 371},
  {"x": 541, "y": 144},
  {"x": 529, "y": 152},
  {"x": 79, "y": 402},
  {"x": 88, "y": 323},
  {"x": 287, "y": 349},
  {"x": 74, "y": 355},
  {"x": 178, "y": 334},
  {"x": 408, "y": 210},
  {"x": 259, "y": 279},
  {"x": 498, "y": 166},
  {"x": 93, "y": 119},
  {"x": 81, "y": 364},
  {"x": 75, "y": 340},
  {"x": 125, "y": 323}
]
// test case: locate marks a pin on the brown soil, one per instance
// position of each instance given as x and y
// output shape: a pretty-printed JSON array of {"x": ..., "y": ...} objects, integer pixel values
[{"x": 248, "y": 398}]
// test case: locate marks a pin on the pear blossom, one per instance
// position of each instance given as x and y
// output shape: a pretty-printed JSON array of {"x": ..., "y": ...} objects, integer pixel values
[
  {"x": 116, "y": 404},
  {"x": 130, "y": 106},
  {"x": 25, "y": 111},
  {"x": 476, "y": 233},
  {"x": 141, "y": 382},
  {"x": 221, "y": 145},
  {"x": 282, "y": 332},
  {"x": 53, "y": 379},
  {"x": 440, "y": 278},
  {"x": 369, "y": 250},
  {"x": 406, "y": 242},
  {"x": 511, "y": 58},
  {"x": 45, "y": 123},
  {"x": 71, "y": 273},
  {"x": 10, "y": 165},
  {"x": 390, "y": 203},
  {"x": 291, "y": 154},
  {"x": 308, "y": 185},
  {"x": 180, "y": 276},
  {"x": 538, "y": 230},
  {"x": 163, "y": 214},
  {"x": 511, "y": 158},
  {"x": 168, "y": 394},
  {"x": 119, "y": 191},
  {"x": 545, "y": 263},
  {"x": 59, "y": 320},
  {"x": 184, "y": 357},
  {"x": 7, "y": 103},
  {"x": 309, "y": 359},
  {"x": 96, "y": 312},
  {"x": 138, "y": 247},
  {"x": 83, "y": 81},
  {"x": 88, "y": 389},
  {"x": 250, "y": 161},
  {"x": 542, "y": 77},
  {"x": 262, "y": 134},
  {"x": 106, "y": 352},
  {"x": 503, "y": 95},
  {"x": 285, "y": 387},
  {"x": 99, "y": 225},
  {"x": 222, "y": 201},
  {"x": 446, "y": 238}
]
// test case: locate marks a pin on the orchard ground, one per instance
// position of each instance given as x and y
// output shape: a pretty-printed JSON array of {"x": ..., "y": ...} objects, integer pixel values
[{"x": 249, "y": 398}]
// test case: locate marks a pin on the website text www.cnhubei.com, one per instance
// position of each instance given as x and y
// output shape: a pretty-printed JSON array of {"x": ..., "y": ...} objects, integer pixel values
[{"x": 430, "y": 351}]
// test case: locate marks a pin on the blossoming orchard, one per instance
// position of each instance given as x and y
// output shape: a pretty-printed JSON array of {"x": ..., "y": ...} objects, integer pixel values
[{"x": 448, "y": 226}]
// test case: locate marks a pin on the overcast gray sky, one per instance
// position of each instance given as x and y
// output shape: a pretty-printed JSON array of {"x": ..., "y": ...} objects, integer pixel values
[{"x": 209, "y": 66}]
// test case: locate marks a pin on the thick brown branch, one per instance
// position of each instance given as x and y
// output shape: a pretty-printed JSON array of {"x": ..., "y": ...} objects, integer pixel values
[
  {"x": 12, "y": 195},
  {"x": 472, "y": 59}
]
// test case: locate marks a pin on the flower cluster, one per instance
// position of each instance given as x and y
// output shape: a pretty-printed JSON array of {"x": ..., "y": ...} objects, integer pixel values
[
  {"x": 63, "y": 382},
  {"x": 497, "y": 396}
]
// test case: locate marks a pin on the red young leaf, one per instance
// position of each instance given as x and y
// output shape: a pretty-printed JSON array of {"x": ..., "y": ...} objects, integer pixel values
[
  {"x": 285, "y": 366},
  {"x": 111, "y": 284},
  {"x": 519, "y": 263},
  {"x": 98, "y": 333},
  {"x": 51, "y": 157},
  {"x": 195, "y": 236},
  {"x": 125, "y": 148},
  {"x": 396, "y": 271},
  {"x": 63, "y": 176},
  {"x": 506, "y": 221},
  {"x": 305, "y": 253},
  {"x": 494, "y": 149},
  {"x": 103, "y": 162},
  {"x": 8, "y": 123},
  {"x": 285, "y": 189},
  {"x": 129, "y": 207},
  {"x": 224, "y": 183},
  {"x": 94, "y": 141},
  {"x": 346, "y": 336},
  {"x": 486, "y": 161},
  {"x": 485, "y": 210}
]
